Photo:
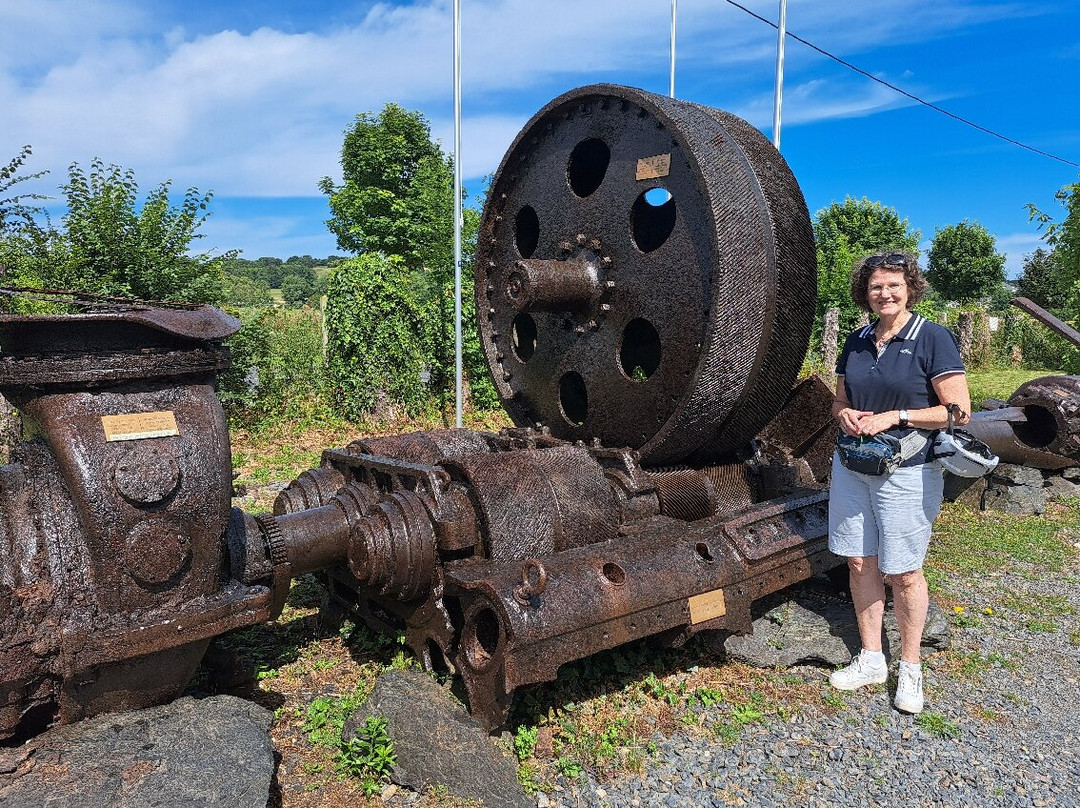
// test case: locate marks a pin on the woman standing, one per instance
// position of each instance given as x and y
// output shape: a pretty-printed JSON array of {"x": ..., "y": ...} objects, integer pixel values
[{"x": 895, "y": 375}]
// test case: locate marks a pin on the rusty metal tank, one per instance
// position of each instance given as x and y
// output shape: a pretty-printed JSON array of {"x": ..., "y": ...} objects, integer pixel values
[{"x": 114, "y": 569}]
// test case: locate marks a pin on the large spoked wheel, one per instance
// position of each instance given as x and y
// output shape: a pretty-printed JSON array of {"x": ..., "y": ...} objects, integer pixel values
[{"x": 645, "y": 275}]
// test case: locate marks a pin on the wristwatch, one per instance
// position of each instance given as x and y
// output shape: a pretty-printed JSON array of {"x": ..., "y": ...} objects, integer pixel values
[{"x": 903, "y": 419}]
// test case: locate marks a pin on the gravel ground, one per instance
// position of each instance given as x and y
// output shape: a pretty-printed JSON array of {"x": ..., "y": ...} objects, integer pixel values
[{"x": 1001, "y": 727}]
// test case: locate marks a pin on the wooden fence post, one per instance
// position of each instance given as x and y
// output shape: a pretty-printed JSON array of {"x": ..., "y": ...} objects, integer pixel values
[{"x": 965, "y": 325}]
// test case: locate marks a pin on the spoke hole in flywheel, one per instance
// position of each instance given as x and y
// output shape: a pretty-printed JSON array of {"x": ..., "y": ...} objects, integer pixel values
[
  {"x": 481, "y": 638},
  {"x": 652, "y": 218},
  {"x": 526, "y": 231},
  {"x": 573, "y": 398},
  {"x": 588, "y": 165},
  {"x": 640, "y": 351},
  {"x": 524, "y": 336}
]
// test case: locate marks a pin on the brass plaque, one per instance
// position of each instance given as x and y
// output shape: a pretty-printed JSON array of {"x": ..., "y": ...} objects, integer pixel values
[
  {"x": 649, "y": 168},
  {"x": 138, "y": 425},
  {"x": 707, "y": 605}
]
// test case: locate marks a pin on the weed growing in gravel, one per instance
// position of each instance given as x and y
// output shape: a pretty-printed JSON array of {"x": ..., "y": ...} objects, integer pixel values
[
  {"x": 568, "y": 767},
  {"x": 325, "y": 717},
  {"x": 369, "y": 755},
  {"x": 1041, "y": 626},
  {"x": 525, "y": 741},
  {"x": 1074, "y": 638},
  {"x": 937, "y": 725},
  {"x": 972, "y": 665},
  {"x": 529, "y": 777},
  {"x": 833, "y": 700}
]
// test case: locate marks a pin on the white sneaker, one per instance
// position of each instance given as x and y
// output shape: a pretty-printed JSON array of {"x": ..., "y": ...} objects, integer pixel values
[
  {"x": 909, "y": 695},
  {"x": 858, "y": 674}
]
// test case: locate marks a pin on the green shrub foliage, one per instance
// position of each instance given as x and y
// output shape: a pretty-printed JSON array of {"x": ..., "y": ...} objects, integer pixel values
[
  {"x": 378, "y": 340},
  {"x": 277, "y": 365}
]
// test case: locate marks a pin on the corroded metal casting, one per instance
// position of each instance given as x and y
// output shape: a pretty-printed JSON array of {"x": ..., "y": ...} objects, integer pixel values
[
  {"x": 114, "y": 566},
  {"x": 1039, "y": 426}
]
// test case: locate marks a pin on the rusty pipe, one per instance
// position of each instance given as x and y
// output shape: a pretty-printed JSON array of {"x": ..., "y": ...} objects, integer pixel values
[{"x": 1021, "y": 442}]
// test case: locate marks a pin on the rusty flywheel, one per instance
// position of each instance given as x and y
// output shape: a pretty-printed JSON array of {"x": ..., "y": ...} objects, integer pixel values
[{"x": 645, "y": 275}]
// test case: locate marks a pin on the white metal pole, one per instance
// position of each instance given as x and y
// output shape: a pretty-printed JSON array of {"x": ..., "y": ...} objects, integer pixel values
[
  {"x": 778, "y": 95},
  {"x": 674, "y": 6},
  {"x": 457, "y": 214}
]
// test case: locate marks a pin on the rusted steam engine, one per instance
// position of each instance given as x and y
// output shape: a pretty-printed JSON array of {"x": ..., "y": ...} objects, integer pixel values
[{"x": 645, "y": 288}]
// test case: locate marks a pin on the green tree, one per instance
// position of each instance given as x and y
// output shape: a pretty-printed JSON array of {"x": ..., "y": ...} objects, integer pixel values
[
  {"x": 1042, "y": 280},
  {"x": 845, "y": 234},
  {"x": 396, "y": 201},
  {"x": 110, "y": 244},
  {"x": 297, "y": 286},
  {"x": 962, "y": 265},
  {"x": 1063, "y": 239},
  {"x": 15, "y": 213},
  {"x": 396, "y": 195}
]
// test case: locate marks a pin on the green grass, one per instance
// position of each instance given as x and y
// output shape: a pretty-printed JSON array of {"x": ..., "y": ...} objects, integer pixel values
[
  {"x": 999, "y": 382},
  {"x": 970, "y": 542},
  {"x": 937, "y": 725}
]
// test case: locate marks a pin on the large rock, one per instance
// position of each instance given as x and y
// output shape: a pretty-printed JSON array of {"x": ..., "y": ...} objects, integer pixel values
[
  {"x": 1059, "y": 487},
  {"x": 193, "y": 753},
  {"x": 438, "y": 743},
  {"x": 814, "y": 625}
]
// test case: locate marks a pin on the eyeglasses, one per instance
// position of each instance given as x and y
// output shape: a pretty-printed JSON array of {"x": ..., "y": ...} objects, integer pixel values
[
  {"x": 892, "y": 288},
  {"x": 892, "y": 259}
]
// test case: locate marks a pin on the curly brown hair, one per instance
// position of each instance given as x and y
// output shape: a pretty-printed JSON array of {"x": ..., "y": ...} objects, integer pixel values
[{"x": 860, "y": 277}]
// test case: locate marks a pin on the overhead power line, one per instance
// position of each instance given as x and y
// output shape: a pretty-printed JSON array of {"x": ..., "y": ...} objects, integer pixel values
[{"x": 905, "y": 93}]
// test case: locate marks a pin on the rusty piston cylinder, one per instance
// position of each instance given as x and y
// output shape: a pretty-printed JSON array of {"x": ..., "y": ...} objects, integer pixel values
[{"x": 114, "y": 571}]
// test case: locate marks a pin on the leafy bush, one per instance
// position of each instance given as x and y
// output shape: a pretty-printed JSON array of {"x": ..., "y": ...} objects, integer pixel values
[
  {"x": 369, "y": 756},
  {"x": 377, "y": 338},
  {"x": 1022, "y": 340},
  {"x": 277, "y": 365}
]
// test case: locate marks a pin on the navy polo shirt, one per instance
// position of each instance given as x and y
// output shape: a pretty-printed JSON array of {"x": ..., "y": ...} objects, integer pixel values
[{"x": 901, "y": 376}]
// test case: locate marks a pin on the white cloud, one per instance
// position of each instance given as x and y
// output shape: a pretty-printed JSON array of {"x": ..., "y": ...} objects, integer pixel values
[{"x": 261, "y": 112}]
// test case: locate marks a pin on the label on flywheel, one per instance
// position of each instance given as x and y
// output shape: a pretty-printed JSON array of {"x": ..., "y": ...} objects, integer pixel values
[
  {"x": 138, "y": 425},
  {"x": 707, "y": 605},
  {"x": 649, "y": 168}
]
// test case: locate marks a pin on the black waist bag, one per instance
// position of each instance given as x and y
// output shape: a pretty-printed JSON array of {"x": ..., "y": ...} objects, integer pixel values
[{"x": 878, "y": 455}]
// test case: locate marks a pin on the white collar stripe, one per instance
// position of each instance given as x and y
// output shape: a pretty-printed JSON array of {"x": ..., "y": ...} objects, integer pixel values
[{"x": 916, "y": 327}]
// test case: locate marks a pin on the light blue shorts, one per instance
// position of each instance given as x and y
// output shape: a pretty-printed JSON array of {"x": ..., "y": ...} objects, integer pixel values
[{"x": 889, "y": 516}]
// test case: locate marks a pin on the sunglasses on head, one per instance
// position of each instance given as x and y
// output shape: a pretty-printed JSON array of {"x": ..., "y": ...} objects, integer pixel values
[{"x": 892, "y": 259}]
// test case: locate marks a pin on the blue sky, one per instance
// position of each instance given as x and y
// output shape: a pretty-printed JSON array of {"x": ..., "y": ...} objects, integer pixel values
[{"x": 249, "y": 98}]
